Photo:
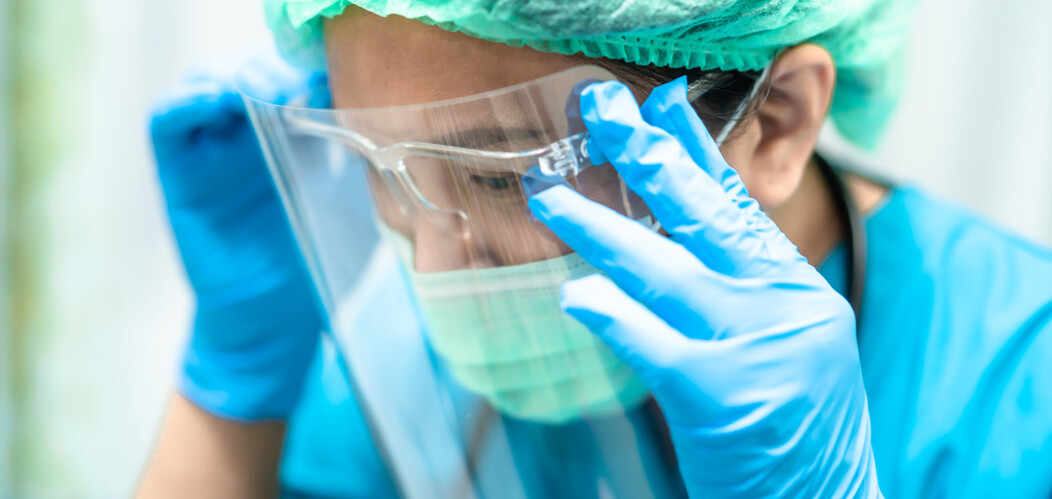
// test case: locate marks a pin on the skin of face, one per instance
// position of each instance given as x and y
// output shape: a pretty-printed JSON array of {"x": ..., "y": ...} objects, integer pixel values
[{"x": 382, "y": 62}]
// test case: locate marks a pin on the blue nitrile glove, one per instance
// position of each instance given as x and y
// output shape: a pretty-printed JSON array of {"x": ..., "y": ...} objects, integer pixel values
[
  {"x": 747, "y": 349},
  {"x": 257, "y": 324}
]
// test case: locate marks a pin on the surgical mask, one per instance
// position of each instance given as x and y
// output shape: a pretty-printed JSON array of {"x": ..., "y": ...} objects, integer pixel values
[{"x": 503, "y": 336}]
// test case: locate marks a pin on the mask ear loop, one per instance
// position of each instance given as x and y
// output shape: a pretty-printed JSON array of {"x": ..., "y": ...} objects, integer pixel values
[{"x": 740, "y": 112}]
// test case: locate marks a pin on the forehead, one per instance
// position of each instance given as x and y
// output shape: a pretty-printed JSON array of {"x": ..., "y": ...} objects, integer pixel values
[{"x": 379, "y": 62}]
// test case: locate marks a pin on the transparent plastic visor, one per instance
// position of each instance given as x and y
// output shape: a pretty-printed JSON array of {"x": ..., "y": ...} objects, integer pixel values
[{"x": 472, "y": 379}]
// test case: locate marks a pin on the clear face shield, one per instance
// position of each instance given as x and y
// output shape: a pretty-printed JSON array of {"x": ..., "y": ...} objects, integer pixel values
[{"x": 494, "y": 392}]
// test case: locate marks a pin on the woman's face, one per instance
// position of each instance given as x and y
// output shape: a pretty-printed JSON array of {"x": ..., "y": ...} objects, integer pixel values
[{"x": 383, "y": 62}]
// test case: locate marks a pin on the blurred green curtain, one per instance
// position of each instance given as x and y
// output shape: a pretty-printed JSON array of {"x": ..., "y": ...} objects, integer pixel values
[
  {"x": 6, "y": 372},
  {"x": 44, "y": 53}
]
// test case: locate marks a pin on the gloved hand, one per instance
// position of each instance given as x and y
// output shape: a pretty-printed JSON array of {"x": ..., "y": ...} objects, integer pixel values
[
  {"x": 749, "y": 352},
  {"x": 257, "y": 324}
]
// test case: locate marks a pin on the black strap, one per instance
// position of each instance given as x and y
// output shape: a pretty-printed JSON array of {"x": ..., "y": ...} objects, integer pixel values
[
  {"x": 855, "y": 230},
  {"x": 656, "y": 418}
]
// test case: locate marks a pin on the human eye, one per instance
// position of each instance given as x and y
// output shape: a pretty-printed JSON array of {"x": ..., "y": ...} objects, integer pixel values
[{"x": 495, "y": 182}]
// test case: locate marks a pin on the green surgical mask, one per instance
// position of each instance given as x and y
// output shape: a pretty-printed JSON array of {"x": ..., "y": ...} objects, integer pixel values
[{"x": 505, "y": 338}]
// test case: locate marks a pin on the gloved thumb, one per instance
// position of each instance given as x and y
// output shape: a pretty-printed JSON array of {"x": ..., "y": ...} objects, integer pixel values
[{"x": 635, "y": 334}]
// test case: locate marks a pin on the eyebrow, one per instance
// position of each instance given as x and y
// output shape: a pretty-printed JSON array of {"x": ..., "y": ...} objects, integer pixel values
[{"x": 486, "y": 137}]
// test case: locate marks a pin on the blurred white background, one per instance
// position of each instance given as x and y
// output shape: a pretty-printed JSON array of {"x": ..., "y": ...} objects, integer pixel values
[
  {"x": 93, "y": 303},
  {"x": 104, "y": 307}
]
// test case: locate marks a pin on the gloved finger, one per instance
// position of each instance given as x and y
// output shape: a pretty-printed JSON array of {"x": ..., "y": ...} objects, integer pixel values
[
  {"x": 267, "y": 77},
  {"x": 649, "y": 267},
  {"x": 690, "y": 205},
  {"x": 319, "y": 94},
  {"x": 688, "y": 377},
  {"x": 189, "y": 109},
  {"x": 667, "y": 108},
  {"x": 638, "y": 337}
]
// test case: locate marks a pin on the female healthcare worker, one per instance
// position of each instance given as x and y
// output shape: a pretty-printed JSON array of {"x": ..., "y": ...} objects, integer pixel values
[{"x": 503, "y": 164}]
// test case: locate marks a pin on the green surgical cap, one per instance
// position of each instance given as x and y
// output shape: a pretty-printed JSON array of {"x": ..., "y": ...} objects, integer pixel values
[{"x": 865, "y": 37}]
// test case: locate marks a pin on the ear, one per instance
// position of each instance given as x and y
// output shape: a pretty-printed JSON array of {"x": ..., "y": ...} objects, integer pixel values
[{"x": 775, "y": 149}]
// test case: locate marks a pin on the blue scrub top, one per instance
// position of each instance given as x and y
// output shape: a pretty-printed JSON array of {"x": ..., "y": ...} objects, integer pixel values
[{"x": 956, "y": 351}]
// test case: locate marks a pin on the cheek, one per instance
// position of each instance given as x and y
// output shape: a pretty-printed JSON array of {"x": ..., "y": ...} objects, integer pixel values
[
  {"x": 755, "y": 181},
  {"x": 741, "y": 155},
  {"x": 770, "y": 179}
]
